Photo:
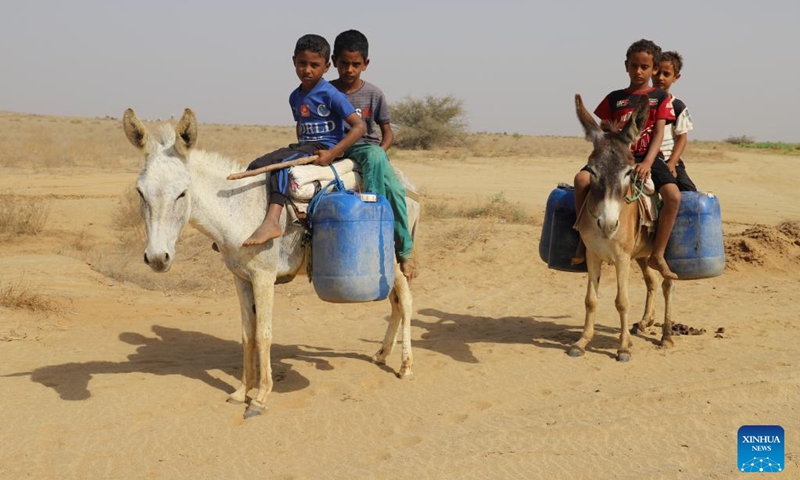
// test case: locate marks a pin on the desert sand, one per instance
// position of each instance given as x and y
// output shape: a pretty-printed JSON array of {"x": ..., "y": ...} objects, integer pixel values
[{"x": 111, "y": 371}]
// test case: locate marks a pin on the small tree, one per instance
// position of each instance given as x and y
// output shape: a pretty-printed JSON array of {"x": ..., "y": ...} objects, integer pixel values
[{"x": 430, "y": 122}]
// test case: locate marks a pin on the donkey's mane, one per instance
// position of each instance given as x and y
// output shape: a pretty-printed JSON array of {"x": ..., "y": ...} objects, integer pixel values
[
  {"x": 610, "y": 126},
  {"x": 214, "y": 162},
  {"x": 167, "y": 134}
]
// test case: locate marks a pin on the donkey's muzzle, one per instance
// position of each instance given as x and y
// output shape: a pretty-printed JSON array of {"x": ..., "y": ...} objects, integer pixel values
[{"x": 159, "y": 262}]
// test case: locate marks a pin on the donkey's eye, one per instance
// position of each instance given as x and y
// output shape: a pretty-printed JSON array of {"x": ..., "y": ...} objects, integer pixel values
[{"x": 183, "y": 194}]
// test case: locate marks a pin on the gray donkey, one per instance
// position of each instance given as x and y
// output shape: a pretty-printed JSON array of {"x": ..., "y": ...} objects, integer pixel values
[{"x": 610, "y": 225}]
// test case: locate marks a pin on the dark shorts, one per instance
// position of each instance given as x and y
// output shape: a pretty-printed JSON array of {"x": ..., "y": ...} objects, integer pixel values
[
  {"x": 685, "y": 184},
  {"x": 293, "y": 151},
  {"x": 659, "y": 172}
]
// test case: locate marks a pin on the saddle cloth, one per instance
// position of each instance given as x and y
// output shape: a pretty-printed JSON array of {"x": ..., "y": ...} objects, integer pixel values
[
  {"x": 306, "y": 180},
  {"x": 648, "y": 211}
]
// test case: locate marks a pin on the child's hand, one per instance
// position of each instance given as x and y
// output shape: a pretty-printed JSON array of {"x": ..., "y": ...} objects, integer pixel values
[
  {"x": 673, "y": 167},
  {"x": 642, "y": 170},
  {"x": 324, "y": 158}
]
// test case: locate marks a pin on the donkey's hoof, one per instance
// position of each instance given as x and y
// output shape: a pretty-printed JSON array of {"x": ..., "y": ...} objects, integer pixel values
[
  {"x": 575, "y": 352},
  {"x": 253, "y": 410},
  {"x": 667, "y": 342},
  {"x": 234, "y": 401},
  {"x": 623, "y": 356},
  {"x": 406, "y": 375},
  {"x": 379, "y": 358}
]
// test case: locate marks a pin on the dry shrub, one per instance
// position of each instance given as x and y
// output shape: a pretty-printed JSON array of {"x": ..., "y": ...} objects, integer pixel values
[
  {"x": 197, "y": 267},
  {"x": 457, "y": 236},
  {"x": 128, "y": 219},
  {"x": 496, "y": 207},
  {"x": 17, "y": 296},
  {"x": 26, "y": 142},
  {"x": 81, "y": 242},
  {"x": 23, "y": 215},
  {"x": 525, "y": 146}
]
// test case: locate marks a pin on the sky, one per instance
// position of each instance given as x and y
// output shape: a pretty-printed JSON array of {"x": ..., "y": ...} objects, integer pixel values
[{"x": 516, "y": 65}]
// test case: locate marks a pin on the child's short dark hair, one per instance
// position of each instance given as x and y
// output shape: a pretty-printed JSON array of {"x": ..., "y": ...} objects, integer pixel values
[
  {"x": 674, "y": 58},
  {"x": 352, "y": 41},
  {"x": 645, "y": 46},
  {"x": 313, "y": 43}
]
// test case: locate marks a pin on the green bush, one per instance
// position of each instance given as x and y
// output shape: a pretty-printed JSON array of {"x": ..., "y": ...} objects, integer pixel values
[
  {"x": 429, "y": 123},
  {"x": 740, "y": 139},
  {"x": 780, "y": 146}
]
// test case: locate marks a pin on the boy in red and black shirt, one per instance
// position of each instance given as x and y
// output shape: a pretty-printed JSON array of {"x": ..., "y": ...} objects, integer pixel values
[{"x": 641, "y": 62}]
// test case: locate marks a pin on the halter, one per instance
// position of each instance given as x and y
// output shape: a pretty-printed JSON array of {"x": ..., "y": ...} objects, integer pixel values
[{"x": 635, "y": 189}]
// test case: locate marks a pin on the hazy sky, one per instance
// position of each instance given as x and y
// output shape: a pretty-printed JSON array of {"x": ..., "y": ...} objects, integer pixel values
[{"x": 516, "y": 65}]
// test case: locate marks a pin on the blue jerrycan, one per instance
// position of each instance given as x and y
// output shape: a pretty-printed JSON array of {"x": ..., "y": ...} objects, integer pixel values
[
  {"x": 352, "y": 247},
  {"x": 559, "y": 240},
  {"x": 695, "y": 248}
]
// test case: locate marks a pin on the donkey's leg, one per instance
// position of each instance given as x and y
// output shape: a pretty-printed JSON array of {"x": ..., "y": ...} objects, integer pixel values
[
  {"x": 623, "y": 268},
  {"x": 390, "y": 338},
  {"x": 650, "y": 279},
  {"x": 244, "y": 290},
  {"x": 401, "y": 301},
  {"x": 593, "y": 265},
  {"x": 405, "y": 304},
  {"x": 668, "y": 286},
  {"x": 264, "y": 292}
]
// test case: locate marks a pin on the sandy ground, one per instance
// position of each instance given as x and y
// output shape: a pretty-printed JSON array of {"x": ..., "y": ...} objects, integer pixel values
[{"x": 125, "y": 382}]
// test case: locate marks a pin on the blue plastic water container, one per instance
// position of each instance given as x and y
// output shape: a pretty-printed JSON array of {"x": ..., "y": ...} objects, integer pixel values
[
  {"x": 695, "y": 248},
  {"x": 559, "y": 240},
  {"x": 352, "y": 247}
]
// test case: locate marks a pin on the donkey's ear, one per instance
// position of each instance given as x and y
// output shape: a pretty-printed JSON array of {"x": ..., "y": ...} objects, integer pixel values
[
  {"x": 630, "y": 132},
  {"x": 136, "y": 131},
  {"x": 590, "y": 127},
  {"x": 186, "y": 133}
]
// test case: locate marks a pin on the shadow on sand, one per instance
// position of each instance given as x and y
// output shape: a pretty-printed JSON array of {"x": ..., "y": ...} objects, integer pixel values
[
  {"x": 173, "y": 351},
  {"x": 451, "y": 334}
]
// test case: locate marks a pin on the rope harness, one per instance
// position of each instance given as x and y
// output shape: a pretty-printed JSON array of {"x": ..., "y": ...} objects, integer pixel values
[
  {"x": 337, "y": 186},
  {"x": 636, "y": 190}
]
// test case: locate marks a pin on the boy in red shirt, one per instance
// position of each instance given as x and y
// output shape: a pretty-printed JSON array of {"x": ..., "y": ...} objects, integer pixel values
[{"x": 641, "y": 62}]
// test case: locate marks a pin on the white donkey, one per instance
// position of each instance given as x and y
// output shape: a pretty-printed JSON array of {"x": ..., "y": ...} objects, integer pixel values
[
  {"x": 179, "y": 185},
  {"x": 611, "y": 229}
]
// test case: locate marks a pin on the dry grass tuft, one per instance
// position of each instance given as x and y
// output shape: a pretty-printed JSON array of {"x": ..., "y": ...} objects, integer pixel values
[
  {"x": 496, "y": 207},
  {"x": 485, "y": 145},
  {"x": 21, "y": 215},
  {"x": 17, "y": 296},
  {"x": 128, "y": 219}
]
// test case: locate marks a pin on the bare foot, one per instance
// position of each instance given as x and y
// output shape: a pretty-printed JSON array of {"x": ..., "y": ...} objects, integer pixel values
[
  {"x": 409, "y": 269},
  {"x": 265, "y": 232},
  {"x": 659, "y": 264}
]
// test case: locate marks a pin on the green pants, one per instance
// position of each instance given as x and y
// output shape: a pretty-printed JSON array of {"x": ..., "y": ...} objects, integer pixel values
[{"x": 378, "y": 177}]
